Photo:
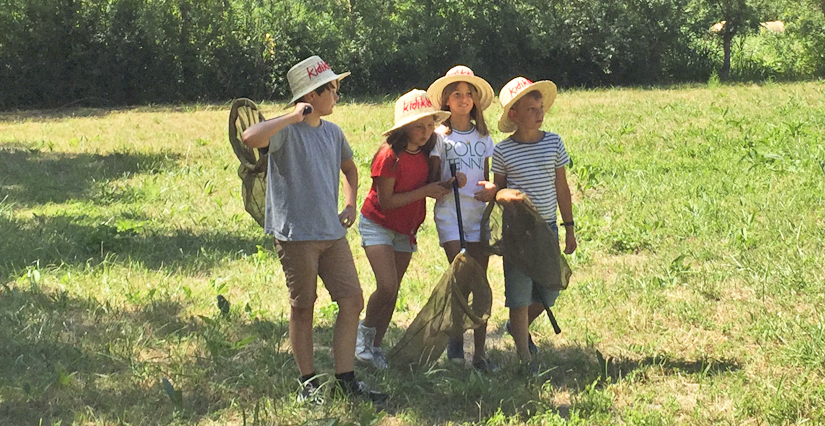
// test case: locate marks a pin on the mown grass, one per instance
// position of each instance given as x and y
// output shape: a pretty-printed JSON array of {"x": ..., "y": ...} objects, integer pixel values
[{"x": 696, "y": 296}]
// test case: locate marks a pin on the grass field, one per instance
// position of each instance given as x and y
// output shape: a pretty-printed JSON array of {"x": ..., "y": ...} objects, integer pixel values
[{"x": 699, "y": 279}]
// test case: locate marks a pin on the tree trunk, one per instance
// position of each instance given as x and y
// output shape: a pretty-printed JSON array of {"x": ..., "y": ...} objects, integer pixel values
[{"x": 726, "y": 42}]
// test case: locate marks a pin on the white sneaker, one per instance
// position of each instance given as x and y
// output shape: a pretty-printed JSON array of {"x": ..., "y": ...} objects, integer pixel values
[
  {"x": 379, "y": 360},
  {"x": 363, "y": 343}
]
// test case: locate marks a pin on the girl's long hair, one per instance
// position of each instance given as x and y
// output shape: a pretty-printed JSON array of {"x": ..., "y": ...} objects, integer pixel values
[
  {"x": 397, "y": 142},
  {"x": 475, "y": 114}
]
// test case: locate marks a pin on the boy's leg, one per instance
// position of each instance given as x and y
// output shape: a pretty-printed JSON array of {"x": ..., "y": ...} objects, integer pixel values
[
  {"x": 518, "y": 328},
  {"x": 337, "y": 270},
  {"x": 300, "y": 338},
  {"x": 389, "y": 267},
  {"x": 346, "y": 327},
  {"x": 534, "y": 311},
  {"x": 518, "y": 293},
  {"x": 299, "y": 260}
]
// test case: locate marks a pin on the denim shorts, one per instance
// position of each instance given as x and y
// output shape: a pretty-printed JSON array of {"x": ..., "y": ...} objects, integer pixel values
[
  {"x": 373, "y": 234},
  {"x": 519, "y": 290}
]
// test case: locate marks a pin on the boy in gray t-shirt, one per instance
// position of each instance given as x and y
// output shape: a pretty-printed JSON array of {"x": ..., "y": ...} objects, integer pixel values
[{"x": 305, "y": 157}]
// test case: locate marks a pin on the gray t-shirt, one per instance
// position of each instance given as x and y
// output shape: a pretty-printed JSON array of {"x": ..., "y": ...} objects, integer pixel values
[{"x": 302, "y": 184}]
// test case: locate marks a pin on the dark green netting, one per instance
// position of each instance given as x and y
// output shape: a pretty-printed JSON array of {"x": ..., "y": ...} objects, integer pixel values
[
  {"x": 252, "y": 170},
  {"x": 462, "y": 299},
  {"x": 520, "y": 235}
]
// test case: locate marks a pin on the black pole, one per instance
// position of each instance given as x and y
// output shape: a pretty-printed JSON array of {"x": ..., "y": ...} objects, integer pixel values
[
  {"x": 550, "y": 315},
  {"x": 457, "y": 205}
]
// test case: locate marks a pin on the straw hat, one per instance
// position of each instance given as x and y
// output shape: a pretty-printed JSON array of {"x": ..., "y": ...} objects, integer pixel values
[
  {"x": 414, "y": 105},
  {"x": 308, "y": 75},
  {"x": 514, "y": 90},
  {"x": 461, "y": 73}
]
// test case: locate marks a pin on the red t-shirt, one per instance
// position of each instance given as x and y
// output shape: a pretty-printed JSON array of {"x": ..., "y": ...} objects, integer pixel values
[{"x": 410, "y": 172}]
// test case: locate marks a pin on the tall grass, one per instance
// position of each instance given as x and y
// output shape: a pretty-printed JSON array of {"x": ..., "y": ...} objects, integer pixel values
[{"x": 696, "y": 296}]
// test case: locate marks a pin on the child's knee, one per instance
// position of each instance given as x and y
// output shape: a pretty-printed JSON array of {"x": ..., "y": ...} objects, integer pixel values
[
  {"x": 301, "y": 313},
  {"x": 351, "y": 305}
]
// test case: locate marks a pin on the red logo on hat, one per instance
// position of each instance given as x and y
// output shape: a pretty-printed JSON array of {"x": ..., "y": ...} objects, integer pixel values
[
  {"x": 521, "y": 85},
  {"x": 416, "y": 104},
  {"x": 460, "y": 71},
  {"x": 316, "y": 70}
]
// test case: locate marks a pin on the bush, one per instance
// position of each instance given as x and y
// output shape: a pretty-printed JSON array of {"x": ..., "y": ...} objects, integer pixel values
[{"x": 117, "y": 52}]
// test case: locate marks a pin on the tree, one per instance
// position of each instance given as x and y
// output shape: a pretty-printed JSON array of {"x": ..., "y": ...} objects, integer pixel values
[{"x": 737, "y": 17}]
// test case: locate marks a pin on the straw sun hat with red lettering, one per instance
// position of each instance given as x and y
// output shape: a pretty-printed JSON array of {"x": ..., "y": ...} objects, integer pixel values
[
  {"x": 308, "y": 75},
  {"x": 514, "y": 90},
  {"x": 461, "y": 73},
  {"x": 414, "y": 105}
]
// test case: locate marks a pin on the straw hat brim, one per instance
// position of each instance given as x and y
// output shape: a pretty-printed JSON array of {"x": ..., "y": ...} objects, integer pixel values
[
  {"x": 485, "y": 91},
  {"x": 548, "y": 93},
  {"x": 438, "y": 116},
  {"x": 318, "y": 84}
]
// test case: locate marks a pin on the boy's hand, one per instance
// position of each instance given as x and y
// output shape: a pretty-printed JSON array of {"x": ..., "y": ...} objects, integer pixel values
[
  {"x": 487, "y": 192},
  {"x": 347, "y": 216},
  {"x": 438, "y": 189},
  {"x": 509, "y": 196},
  {"x": 298, "y": 113},
  {"x": 570, "y": 242}
]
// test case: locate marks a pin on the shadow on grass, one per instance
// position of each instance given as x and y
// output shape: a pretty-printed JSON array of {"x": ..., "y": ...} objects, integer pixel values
[
  {"x": 55, "y": 114},
  {"x": 79, "y": 241},
  {"x": 447, "y": 392},
  {"x": 68, "y": 360},
  {"x": 31, "y": 176}
]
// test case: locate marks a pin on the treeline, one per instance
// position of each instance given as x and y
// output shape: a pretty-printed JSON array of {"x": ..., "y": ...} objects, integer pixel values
[{"x": 119, "y": 52}]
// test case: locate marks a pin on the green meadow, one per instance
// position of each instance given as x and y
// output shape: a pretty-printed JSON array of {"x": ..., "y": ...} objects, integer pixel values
[{"x": 696, "y": 297}]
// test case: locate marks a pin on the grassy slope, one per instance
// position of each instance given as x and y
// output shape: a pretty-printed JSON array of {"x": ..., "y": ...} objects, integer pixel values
[{"x": 699, "y": 275}]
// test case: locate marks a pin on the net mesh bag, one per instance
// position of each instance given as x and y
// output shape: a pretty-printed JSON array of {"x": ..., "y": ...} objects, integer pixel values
[
  {"x": 461, "y": 300},
  {"x": 519, "y": 234},
  {"x": 252, "y": 170}
]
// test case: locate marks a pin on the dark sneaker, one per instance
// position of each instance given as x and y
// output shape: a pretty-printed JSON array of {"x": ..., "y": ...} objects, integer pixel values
[
  {"x": 455, "y": 351},
  {"x": 310, "y": 393},
  {"x": 530, "y": 345},
  {"x": 359, "y": 389},
  {"x": 485, "y": 366}
]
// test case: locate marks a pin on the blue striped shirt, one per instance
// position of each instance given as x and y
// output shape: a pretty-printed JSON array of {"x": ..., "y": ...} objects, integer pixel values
[{"x": 531, "y": 168}]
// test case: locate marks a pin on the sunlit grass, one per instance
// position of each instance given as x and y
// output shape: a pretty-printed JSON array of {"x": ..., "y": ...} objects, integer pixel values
[{"x": 699, "y": 276}]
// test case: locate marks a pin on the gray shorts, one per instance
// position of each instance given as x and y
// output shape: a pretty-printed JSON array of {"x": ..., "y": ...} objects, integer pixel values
[
  {"x": 373, "y": 234},
  {"x": 519, "y": 290}
]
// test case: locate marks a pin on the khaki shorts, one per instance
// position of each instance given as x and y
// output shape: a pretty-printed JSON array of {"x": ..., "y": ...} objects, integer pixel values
[{"x": 305, "y": 261}]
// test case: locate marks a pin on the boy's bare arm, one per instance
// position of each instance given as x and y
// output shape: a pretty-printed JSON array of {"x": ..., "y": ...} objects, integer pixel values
[
  {"x": 258, "y": 134},
  {"x": 504, "y": 195},
  {"x": 566, "y": 209},
  {"x": 350, "y": 171}
]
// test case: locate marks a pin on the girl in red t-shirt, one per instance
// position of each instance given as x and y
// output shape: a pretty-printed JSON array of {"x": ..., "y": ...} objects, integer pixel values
[{"x": 394, "y": 209}]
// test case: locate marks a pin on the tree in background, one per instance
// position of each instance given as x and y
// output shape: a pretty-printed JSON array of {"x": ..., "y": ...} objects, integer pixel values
[{"x": 733, "y": 17}]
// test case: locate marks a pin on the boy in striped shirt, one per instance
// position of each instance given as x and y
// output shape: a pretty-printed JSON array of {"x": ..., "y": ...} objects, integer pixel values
[{"x": 531, "y": 161}]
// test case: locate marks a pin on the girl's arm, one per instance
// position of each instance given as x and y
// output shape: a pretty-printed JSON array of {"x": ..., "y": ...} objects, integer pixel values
[
  {"x": 488, "y": 189},
  {"x": 388, "y": 199},
  {"x": 435, "y": 174},
  {"x": 435, "y": 169}
]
